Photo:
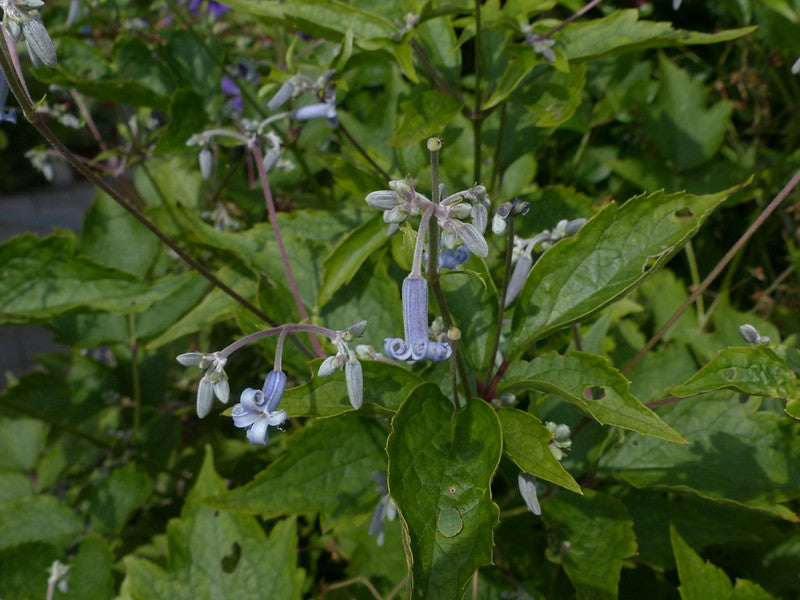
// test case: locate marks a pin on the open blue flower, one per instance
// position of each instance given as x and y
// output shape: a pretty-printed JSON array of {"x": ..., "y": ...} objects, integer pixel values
[{"x": 257, "y": 409}]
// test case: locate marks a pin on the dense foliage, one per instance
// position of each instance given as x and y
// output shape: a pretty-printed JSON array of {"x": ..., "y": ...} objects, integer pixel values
[{"x": 563, "y": 407}]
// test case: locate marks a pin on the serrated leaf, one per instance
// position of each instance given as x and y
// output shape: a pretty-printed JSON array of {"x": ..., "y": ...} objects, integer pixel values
[
  {"x": 327, "y": 468},
  {"x": 738, "y": 454},
  {"x": 612, "y": 254},
  {"x": 349, "y": 254},
  {"x": 44, "y": 277},
  {"x": 526, "y": 440},
  {"x": 589, "y": 382},
  {"x": 385, "y": 385},
  {"x": 755, "y": 371},
  {"x": 216, "y": 555},
  {"x": 704, "y": 581},
  {"x": 37, "y": 519},
  {"x": 590, "y": 535},
  {"x": 426, "y": 114},
  {"x": 441, "y": 465},
  {"x": 622, "y": 31}
]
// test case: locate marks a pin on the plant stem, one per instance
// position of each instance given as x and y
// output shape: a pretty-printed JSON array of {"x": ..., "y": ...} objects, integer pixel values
[
  {"x": 729, "y": 255},
  {"x": 434, "y": 145},
  {"x": 363, "y": 152},
  {"x": 477, "y": 117},
  {"x": 501, "y": 309},
  {"x": 287, "y": 329},
  {"x": 273, "y": 218},
  {"x": 135, "y": 381},
  {"x": 438, "y": 80},
  {"x": 695, "y": 274},
  {"x": 570, "y": 19}
]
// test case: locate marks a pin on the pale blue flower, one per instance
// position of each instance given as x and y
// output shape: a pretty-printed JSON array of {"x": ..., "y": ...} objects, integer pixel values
[
  {"x": 416, "y": 345},
  {"x": 386, "y": 508},
  {"x": 257, "y": 409}
]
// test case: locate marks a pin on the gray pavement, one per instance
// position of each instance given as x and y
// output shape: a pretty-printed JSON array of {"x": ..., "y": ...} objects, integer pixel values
[{"x": 37, "y": 211}]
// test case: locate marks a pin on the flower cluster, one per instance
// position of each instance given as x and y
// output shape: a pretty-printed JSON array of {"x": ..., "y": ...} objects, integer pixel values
[
  {"x": 21, "y": 19},
  {"x": 401, "y": 201},
  {"x": 214, "y": 381},
  {"x": 258, "y": 409},
  {"x": 524, "y": 248},
  {"x": 559, "y": 442}
]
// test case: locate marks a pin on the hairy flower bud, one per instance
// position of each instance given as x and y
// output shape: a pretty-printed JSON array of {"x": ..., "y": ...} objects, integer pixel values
[
  {"x": 206, "y": 160},
  {"x": 527, "y": 489},
  {"x": 749, "y": 333},
  {"x": 274, "y": 384},
  {"x": 383, "y": 199},
  {"x": 355, "y": 383},
  {"x": 518, "y": 278},
  {"x": 39, "y": 42},
  {"x": 283, "y": 95}
]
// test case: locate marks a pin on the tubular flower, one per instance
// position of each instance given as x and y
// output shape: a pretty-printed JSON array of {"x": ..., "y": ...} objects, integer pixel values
[
  {"x": 258, "y": 409},
  {"x": 416, "y": 345}
]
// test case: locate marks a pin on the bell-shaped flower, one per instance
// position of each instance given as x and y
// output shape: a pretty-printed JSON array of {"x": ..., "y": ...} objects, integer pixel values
[
  {"x": 416, "y": 345},
  {"x": 257, "y": 409},
  {"x": 386, "y": 509}
]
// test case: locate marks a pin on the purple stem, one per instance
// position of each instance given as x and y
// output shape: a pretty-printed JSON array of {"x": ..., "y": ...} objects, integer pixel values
[
  {"x": 273, "y": 218},
  {"x": 570, "y": 19},
  {"x": 281, "y": 329}
]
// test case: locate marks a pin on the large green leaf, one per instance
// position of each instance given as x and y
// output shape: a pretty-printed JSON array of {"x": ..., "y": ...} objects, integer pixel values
[
  {"x": 21, "y": 442},
  {"x": 117, "y": 497},
  {"x": 90, "y": 575},
  {"x": 385, "y": 385},
  {"x": 217, "y": 555},
  {"x": 526, "y": 440},
  {"x": 440, "y": 471},
  {"x": 738, "y": 453},
  {"x": 589, "y": 382},
  {"x": 44, "y": 277},
  {"x": 755, "y": 371},
  {"x": 349, "y": 254},
  {"x": 327, "y": 468},
  {"x": 704, "y": 581},
  {"x": 622, "y": 31},
  {"x": 613, "y": 253},
  {"x": 555, "y": 96},
  {"x": 590, "y": 536},
  {"x": 678, "y": 122},
  {"x": 37, "y": 519}
]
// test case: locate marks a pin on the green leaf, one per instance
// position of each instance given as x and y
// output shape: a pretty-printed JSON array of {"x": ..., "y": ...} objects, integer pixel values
[
  {"x": 426, "y": 114},
  {"x": 555, "y": 96},
  {"x": 14, "y": 486},
  {"x": 755, "y": 371},
  {"x": 329, "y": 19},
  {"x": 589, "y": 382},
  {"x": 43, "y": 277},
  {"x": 704, "y": 581},
  {"x": 37, "y": 519},
  {"x": 469, "y": 294},
  {"x": 193, "y": 60},
  {"x": 622, "y": 31},
  {"x": 90, "y": 574},
  {"x": 526, "y": 440},
  {"x": 590, "y": 535},
  {"x": 116, "y": 498},
  {"x": 678, "y": 122},
  {"x": 327, "y": 468},
  {"x": 441, "y": 465},
  {"x": 24, "y": 572},
  {"x": 349, "y": 254},
  {"x": 522, "y": 60},
  {"x": 215, "y": 307},
  {"x": 217, "y": 555},
  {"x": 738, "y": 454},
  {"x": 614, "y": 252},
  {"x": 187, "y": 117},
  {"x": 385, "y": 385},
  {"x": 112, "y": 237},
  {"x": 21, "y": 442}
]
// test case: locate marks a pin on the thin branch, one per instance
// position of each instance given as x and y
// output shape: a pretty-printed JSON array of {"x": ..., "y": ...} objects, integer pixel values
[
  {"x": 570, "y": 19},
  {"x": 776, "y": 201}
]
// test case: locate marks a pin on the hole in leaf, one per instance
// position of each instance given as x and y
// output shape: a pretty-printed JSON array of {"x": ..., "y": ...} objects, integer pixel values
[
  {"x": 729, "y": 373},
  {"x": 594, "y": 392},
  {"x": 230, "y": 562},
  {"x": 743, "y": 398},
  {"x": 684, "y": 214}
]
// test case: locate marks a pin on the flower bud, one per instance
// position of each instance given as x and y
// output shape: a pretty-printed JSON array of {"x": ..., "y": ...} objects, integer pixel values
[
  {"x": 206, "y": 160},
  {"x": 574, "y": 226},
  {"x": 315, "y": 111},
  {"x": 518, "y": 278},
  {"x": 355, "y": 383},
  {"x": 480, "y": 217},
  {"x": 499, "y": 224},
  {"x": 401, "y": 186},
  {"x": 191, "y": 359},
  {"x": 461, "y": 210},
  {"x": 283, "y": 95},
  {"x": 222, "y": 389},
  {"x": 434, "y": 144},
  {"x": 527, "y": 489},
  {"x": 39, "y": 42},
  {"x": 383, "y": 200},
  {"x": 357, "y": 329},
  {"x": 330, "y": 365},
  {"x": 396, "y": 215},
  {"x": 473, "y": 240},
  {"x": 205, "y": 397},
  {"x": 749, "y": 333}
]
